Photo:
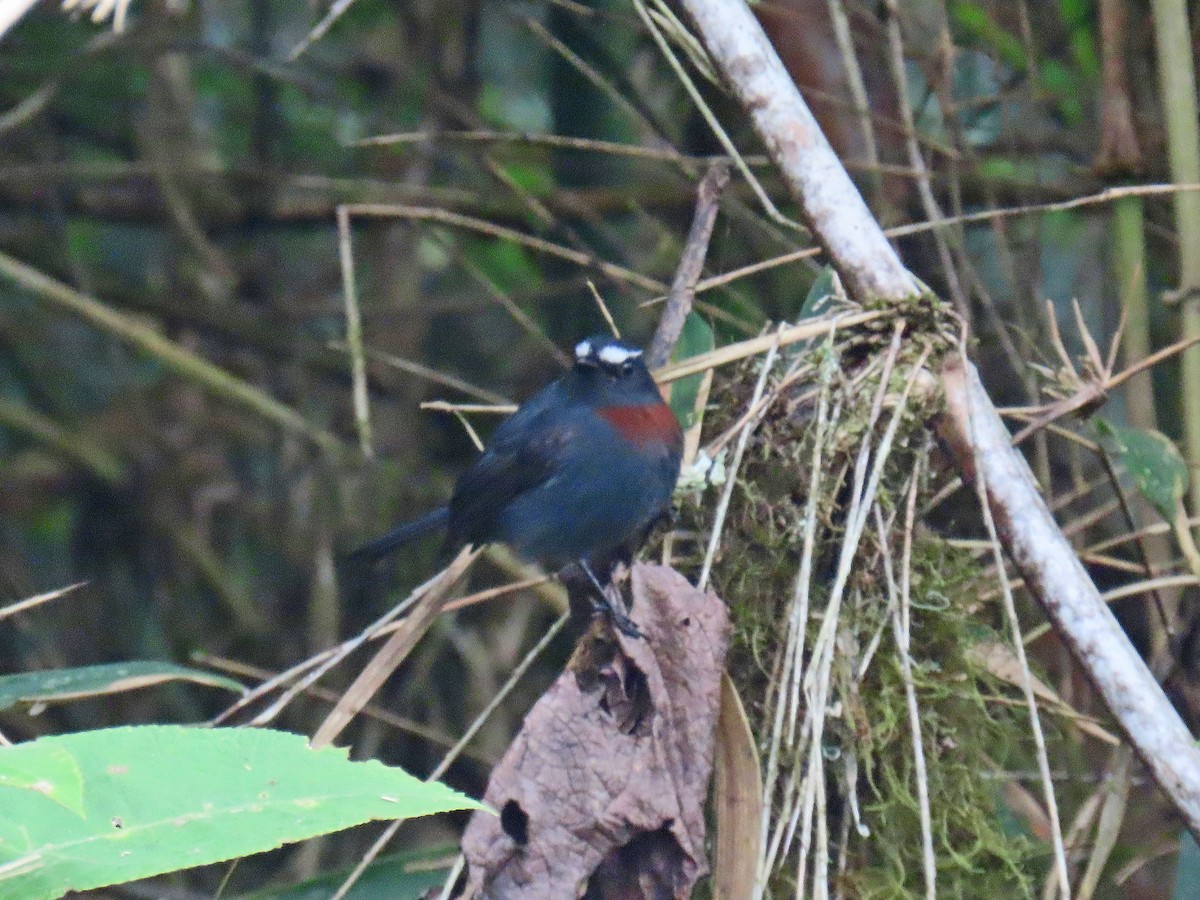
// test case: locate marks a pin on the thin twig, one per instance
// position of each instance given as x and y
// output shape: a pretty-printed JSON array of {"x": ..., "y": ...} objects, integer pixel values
[
  {"x": 471, "y": 223},
  {"x": 989, "y": 215},
  {"x": 354, "y": 339},
  {"x": 718, "y": 527},
  {"x": 336, "y": 9},
  {"x": 691, "y": 265},
  {"x": 37, "y": 600},
  {"x": 557, "y": 141}
]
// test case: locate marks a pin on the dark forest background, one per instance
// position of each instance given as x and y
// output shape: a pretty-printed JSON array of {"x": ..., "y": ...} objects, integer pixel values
[{"x": 181, "y": 180}]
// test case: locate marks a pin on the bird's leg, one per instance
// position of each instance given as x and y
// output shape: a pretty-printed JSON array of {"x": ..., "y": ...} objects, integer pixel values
[{"x": 602, "y": 603}]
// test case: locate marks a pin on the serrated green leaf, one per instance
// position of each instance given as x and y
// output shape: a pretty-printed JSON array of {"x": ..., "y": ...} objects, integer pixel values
[
  {"x": 1153, "y": 462},
  {"x": 157, "y": 798},
  {"x": 696, "y": 338},
  {"x": 108, "y": 678}
]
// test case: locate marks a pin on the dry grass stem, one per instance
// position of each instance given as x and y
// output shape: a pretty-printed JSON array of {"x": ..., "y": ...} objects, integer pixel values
[
  {"x": 354, "y": 336},
  {"x": 37, "y": 600},
  {"x": 392, "y": 361},
  {"x": 335, "y": 12},
  {"x": 603, "y": 307},
  {"x": 793, "y": 663},
  {"x": 710, "y": 118},
  {"x": 320, "y": 662},
  {"x": 786, "y": 336},
  {"x": 400, "y": 723},
  {"x": 422, "y": 615},
  {"x": 933, "y": 210},
  {"x": 714, "y": 539},
  {"x": 492, "y": 409},
  {"x": 1039, "y": 740},
  {"x": 902, "y": 625},
  {"x": 483, "y": 226}
]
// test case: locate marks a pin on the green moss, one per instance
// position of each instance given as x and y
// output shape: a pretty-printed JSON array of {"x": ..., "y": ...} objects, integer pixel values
[{"x": 966, "y": 734}]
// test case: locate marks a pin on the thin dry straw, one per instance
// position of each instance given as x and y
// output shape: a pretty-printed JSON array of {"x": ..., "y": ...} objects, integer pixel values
[
  {"x": 354, "y": 338},
  {"x": 901, "y": 624},
  {"x": 714, "y": 539},
  {"x": 797, "y": 626},
  {"x": 817, "y": 680},
  {"x": 1039, "y": 741},
  {"x": 710, "y": 117}
]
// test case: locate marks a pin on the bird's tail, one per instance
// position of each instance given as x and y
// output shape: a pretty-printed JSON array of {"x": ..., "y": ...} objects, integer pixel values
[{"x": 400, "y": 535}]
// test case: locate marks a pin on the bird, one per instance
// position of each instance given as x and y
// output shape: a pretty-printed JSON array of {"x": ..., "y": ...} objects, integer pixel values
[{"x": 581, "y": 473}]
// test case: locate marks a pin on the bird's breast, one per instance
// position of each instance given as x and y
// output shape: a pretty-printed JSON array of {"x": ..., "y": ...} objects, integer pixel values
[{"x": 645, "y": 424}]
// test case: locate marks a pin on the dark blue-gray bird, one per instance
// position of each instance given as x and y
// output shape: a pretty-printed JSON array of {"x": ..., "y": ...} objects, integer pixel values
[{"x": 581, "y": 473}]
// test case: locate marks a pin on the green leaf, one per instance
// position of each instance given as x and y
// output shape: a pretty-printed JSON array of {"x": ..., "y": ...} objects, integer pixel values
[
  {"x": 401, "y": 876},
  {"x": 696, "y": 338},
  {"x": 509, "y": 266},
  {"x": 109, "y": 678},
  {"x": 819, "y": 297},
  {"x": 537, "y": 178},
  {"x": 817, "y": 302},
  {"x": 1155, "y": 464},
  {"x": 53, "y": 774},
  {"x": 977, "y": 24},
  {"x": 157, "y": 798}
]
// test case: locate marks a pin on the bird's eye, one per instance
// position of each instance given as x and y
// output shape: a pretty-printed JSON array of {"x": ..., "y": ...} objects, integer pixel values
[{"x": 626, "y": 367}]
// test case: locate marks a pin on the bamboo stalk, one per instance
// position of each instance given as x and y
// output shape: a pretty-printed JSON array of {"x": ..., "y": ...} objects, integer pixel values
[{"x": 1177, "y": 82}]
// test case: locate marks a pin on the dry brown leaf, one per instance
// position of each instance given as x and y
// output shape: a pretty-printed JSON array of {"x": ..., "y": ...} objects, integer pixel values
[
  {"x": 737, "y": 799},
  {"x": 602, "y": 793}
]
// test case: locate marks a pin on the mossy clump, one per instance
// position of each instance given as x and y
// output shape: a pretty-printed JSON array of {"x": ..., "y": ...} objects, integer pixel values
[{"x": 969, "y": 726}]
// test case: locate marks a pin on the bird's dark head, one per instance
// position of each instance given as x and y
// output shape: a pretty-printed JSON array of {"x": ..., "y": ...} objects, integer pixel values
[
  {"x": 614, "y": 369},
  {"x": 608, "y": 356}
]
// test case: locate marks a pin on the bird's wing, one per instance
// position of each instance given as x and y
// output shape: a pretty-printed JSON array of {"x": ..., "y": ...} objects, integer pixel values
[{"x": 525, "y": 452}]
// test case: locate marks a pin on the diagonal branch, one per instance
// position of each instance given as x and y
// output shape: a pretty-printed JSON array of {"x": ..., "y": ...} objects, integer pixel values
[
  {"x": 691, "y": 265},
  {"x": 829, "y": 201},
  {"x": 1053, "y": 574}
]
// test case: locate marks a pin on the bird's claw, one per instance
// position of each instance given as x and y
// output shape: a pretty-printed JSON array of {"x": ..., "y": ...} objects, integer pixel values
[{"x": 618, "y": 619}]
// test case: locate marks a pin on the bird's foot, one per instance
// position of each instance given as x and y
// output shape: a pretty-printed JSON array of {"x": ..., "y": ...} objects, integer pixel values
[
  {"x": 619, "y": 619},
  {"x": 603, "y": 604}
]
